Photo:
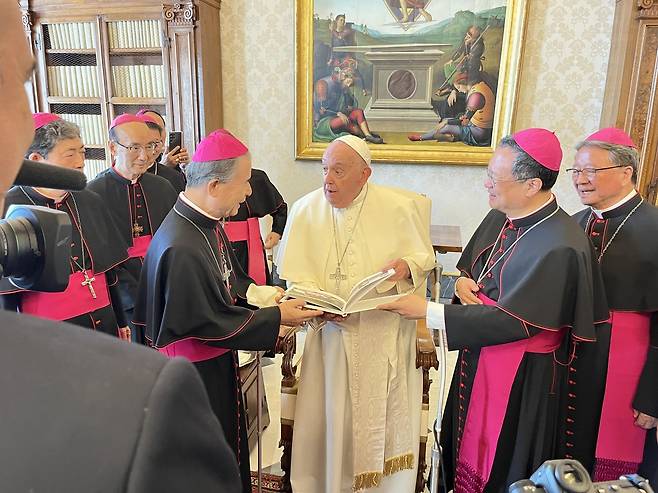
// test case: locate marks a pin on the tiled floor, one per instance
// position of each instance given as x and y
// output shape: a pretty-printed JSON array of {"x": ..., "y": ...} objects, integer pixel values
[{"x": 272, "y": 378}]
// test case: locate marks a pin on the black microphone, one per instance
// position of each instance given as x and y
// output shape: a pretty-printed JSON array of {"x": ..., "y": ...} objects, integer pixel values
[{"x": 34, "y": 174}]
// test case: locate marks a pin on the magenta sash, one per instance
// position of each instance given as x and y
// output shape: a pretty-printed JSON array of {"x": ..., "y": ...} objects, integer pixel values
[
  {"x": 249, "y": 231},
  {"x": 192, "y": 349},
  {"x": 496, "y": 370},
  {"x": 620, "y": 443},
  {"x": 75, "y": 300},
  {"x": 140, "y": 246}
]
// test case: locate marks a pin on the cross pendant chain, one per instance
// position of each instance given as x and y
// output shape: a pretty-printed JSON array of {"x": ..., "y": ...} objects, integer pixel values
[
  {"x": 87, "y": 282},
  {"x": 137, "y": 229},
  {"x": 338, "y": 277},
  {"x": 225, "y": 268}
]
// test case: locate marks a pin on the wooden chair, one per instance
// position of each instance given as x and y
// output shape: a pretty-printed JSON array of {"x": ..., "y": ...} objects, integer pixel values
[{"x": 425, "y": 359}]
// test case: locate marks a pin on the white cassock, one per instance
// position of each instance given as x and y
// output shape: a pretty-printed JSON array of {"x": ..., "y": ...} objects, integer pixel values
[{"x": 357, "y": 412}]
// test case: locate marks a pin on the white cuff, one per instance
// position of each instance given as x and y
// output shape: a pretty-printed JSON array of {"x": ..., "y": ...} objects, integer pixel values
[
  {"x": 261, "y": 296},
  {"x": 435, "y": 317}
]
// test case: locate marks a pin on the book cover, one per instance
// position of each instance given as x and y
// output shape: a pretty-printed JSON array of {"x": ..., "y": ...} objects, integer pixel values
[
  {"x": 133, "y": 80},
  {"x": 112, "y": 34},
  {"x": 98, "y": 129},
  {"x": 54, "y": 37},
  {"x": 66, "y": 76},
  {"x": 130, "y": 28},
  {"x": 53, "y": 88},
  {"x": 77, "y": 82},
  {"x": 89, "y": 35},
  {"x": 77, "y": 41},
  {"x": 122, "y": 35}
]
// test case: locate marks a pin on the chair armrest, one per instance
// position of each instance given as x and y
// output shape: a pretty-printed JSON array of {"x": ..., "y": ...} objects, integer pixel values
[
  {"x": 287, "y": 345},
  {"x": 425, "y": 350}
]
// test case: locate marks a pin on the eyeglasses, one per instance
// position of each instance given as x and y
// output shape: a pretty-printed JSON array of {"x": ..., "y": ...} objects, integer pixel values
[
  {"x": 495, "y": 181},
  {"x": 590, "y": 172},
  {"x": 136, "y": 149}
]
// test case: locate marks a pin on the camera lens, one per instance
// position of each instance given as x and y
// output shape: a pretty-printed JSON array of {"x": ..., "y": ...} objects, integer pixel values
[
  {"x": 19, "y": 248},
  {"x": 35, "y": 249}
]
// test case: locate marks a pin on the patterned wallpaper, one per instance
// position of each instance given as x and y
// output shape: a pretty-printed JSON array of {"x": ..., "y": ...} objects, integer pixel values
[{"x": 562, "y": 83}]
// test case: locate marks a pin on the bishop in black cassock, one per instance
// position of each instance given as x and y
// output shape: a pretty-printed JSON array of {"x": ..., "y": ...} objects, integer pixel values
[
  {"x": 613, "y": 384},
  {"x": 195, "y": 300},
  {"x": 535, "y": 287},
  {"x": 92, "y": 297},
  {"x": 243, "y": 229},
  {"x": 136, "y": 200}
]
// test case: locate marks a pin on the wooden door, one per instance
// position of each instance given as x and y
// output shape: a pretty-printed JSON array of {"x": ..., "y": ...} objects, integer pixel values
[{"x": 631, "y": 96}]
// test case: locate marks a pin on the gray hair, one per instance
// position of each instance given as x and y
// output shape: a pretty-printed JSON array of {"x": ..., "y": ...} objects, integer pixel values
[
  {"x": 526, "y": 167},
  {"x": 200, "y": 173},
  {"x": 619, "y": 155},
  {"x": 48, "y": 136}
]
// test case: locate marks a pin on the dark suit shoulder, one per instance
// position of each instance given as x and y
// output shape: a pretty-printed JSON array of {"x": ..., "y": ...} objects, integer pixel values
[
  {"x": 77, "y": 395},
  {"x": 581, "y": 216},
  {"x": 100, "y": 177},
  {"x": 92, "y": 410}
]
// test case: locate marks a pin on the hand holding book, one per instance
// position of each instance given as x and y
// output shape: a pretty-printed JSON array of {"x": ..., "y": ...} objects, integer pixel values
[{"x": 357, "y": 301}]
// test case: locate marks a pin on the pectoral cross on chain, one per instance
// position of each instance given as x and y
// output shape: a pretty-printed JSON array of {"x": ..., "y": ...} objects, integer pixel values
[
  {"x": 225, "y": 270},
  {"x": 338, "y": 277},
  {"x": 87, "y": 282},
  {"x": 137, "y": 229}
]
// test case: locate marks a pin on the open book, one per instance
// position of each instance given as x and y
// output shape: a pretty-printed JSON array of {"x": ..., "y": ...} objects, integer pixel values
[{"x": 357, "y": 301}]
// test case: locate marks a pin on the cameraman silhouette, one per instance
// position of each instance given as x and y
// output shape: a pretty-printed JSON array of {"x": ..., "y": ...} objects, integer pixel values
[{"x": 82, "y": 411}]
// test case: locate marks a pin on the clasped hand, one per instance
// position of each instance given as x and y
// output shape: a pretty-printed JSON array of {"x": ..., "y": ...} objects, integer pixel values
[{"x": 466, "y": 290}]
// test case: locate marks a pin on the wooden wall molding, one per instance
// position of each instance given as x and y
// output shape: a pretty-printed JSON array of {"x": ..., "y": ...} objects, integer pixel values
[
  {"x": 180, "y": 13},
  {"x": 26, "y": 18},
  {"x": 648, "y": 9}
]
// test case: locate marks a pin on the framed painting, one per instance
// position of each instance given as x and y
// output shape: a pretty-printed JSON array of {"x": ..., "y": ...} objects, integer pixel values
[{"x": 423, "y": 81}]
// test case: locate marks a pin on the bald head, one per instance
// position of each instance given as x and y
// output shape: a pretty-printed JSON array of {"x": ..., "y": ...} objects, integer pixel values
[
  {"x": 345, "y": 173},
  {"x": 157, "y": 117},
  {"x": 16, "y": 128}
]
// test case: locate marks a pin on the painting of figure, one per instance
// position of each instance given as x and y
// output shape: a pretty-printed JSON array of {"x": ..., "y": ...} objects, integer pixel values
[{"x": 417, "y": 75}]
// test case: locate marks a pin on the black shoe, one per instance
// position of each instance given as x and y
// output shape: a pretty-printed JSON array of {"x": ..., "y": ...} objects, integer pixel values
[{"x": 374, "y": 139}]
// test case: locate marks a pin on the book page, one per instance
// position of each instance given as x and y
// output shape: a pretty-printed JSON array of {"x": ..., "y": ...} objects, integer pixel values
[
  {"x": 321, "y": 299},
  {"x": 367, "y": 284},
  {"x": 373, "y": 303}
]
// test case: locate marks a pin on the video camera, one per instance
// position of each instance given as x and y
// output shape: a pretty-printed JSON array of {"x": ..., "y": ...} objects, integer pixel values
[
  {"x": 35, "y": 242},
  {"x": 569, "y": 476}
]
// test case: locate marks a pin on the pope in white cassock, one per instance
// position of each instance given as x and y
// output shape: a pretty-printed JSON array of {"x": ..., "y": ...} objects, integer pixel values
[{"x": 357, "y": 413}]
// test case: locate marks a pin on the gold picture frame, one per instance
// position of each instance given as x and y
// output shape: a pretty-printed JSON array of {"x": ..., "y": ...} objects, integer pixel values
[{"x": 431, "y": 152}]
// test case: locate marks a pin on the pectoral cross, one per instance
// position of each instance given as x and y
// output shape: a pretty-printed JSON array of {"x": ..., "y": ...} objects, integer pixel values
[
  {"x": 137, "y": 229},
  {"x": 338, "y": 277},
  {"x": 87, "y": 282},
  {"x": 226, "y": 275},
  {"x": 225, "y": 268}
]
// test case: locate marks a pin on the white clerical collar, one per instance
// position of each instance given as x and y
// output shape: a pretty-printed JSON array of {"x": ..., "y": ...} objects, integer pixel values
[
  {"x": 58, "y": 200},
  {"x": 536, "y": 210},
  {"x": 196, "y": 207},
  {"x": 599, "y": 212}
]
